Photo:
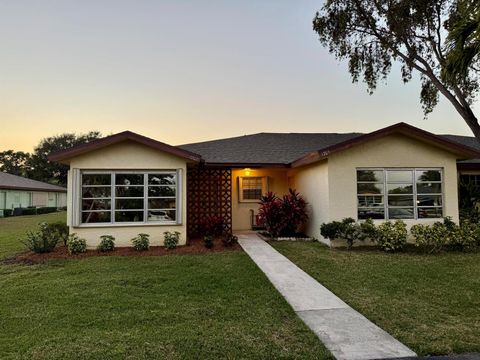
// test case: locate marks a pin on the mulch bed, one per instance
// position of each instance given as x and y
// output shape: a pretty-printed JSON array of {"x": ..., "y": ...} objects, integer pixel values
[{"x": 194, "y": 246}]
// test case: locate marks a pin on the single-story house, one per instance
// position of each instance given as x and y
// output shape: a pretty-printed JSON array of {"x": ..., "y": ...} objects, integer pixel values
[
  {"x": 20, "y": 192},
  {"x": 126, "y": 184}
]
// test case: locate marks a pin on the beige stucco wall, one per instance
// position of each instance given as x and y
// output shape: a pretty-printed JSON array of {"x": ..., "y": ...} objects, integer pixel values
[
  {"x": 390, "y": 151},
  {"x": 312, "y": 183},
  {"x": 331, "y": 188},
  {"x": 128, "y": 156},
  {"x": 277, "y": 182}
]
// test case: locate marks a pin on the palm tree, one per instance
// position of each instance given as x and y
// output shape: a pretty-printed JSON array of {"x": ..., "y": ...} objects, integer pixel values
[{"x": 463, "y": 41}]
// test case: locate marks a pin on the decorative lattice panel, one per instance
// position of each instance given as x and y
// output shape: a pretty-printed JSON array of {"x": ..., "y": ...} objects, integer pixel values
[{"x": 209, "y": 193}]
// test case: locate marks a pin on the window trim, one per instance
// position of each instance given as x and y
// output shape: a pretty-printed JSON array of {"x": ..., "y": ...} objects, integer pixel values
[
  {"x": 240, "y": 188},
  {"x": 112, "y": 172},
  {"x": 415, "y": 193}
]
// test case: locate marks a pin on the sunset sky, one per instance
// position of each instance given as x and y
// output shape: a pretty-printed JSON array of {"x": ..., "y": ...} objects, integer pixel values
[{"x": 184, "y": 71}]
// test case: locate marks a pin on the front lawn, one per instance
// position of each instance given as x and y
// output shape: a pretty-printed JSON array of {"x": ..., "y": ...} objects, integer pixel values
[
  {"x": 431, "y": 303},
  {"x": 12, "y": 229},
  {"x": 203, "y": 306}
]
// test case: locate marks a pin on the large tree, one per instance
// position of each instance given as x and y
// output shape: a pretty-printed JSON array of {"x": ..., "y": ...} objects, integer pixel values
[
  {"x": 15, "y": 162},
  {"x": 43, "y": 170},
  {"x": 437, "y": 38}
]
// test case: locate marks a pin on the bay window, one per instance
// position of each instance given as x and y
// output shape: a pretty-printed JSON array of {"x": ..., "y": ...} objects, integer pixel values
[
  {"x": 122, "y": 197},
  {"x": 399, "y": 193}
]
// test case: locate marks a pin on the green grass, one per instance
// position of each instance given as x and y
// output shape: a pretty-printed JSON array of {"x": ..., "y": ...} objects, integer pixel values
[
  {"x": 200, "y": 306},
  {"x": 429, "y": 302},
  {"x": 12, "y": 229}
]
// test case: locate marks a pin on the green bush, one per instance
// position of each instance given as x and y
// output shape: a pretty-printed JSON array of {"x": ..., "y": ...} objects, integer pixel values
[
  {"x": 107, "y": 243},
  {"x": 466, "y": 238},
  {"x": 170, "y": 239},
  {"x": 28, "y": 211},
  {"x": 7, "y": 212},
  {"x": 391, "y": 236},
  {"x": 76, "y": 245},
  {"x": 229, "y": 239},
  {"x": 42, "y": 240},
  {"x": 349, "y": 230},
  {"x": 430, "y": 238},
  {"x": 46, "y": 210},
  {"x": 58, "y": 229},
  {"x": 141, "y": 242},
  {"x": 208, "y": 241},
  {"x": 447, "y": 236}
]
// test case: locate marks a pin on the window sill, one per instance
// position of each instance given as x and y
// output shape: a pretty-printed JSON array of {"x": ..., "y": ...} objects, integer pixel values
[{"x": 111, "y": 225}]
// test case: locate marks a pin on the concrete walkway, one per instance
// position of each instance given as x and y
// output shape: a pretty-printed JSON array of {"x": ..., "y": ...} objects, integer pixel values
[{"x": 344, "y": 331}]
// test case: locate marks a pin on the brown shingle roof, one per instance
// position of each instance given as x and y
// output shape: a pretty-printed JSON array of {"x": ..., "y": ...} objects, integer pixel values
[
  {"x": 279, "y": 149},
  {"x": 13, "y": 182},
  {"x": 265, "y": 148}
]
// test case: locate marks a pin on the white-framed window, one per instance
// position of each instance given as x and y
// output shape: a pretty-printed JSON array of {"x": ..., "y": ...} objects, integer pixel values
[
  {"x": 251, "y": 188},
  {"x": 399, "y": 193},
  {"x": 129, "y": 197}
]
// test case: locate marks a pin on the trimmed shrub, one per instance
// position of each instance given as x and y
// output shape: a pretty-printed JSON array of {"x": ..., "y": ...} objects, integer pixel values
[
  {"x": 430, "y": 239},
  {"x": 466, "y": 238},
  {"x": 349, "y": 230},
  {"x": 447, "y": 235},
  {"x": 28, "y": 211},
  {"x": 208, "y": 241},
  {"x": 46, "y": 210},
  {"x": 7, "y": 212},
  {"x": 391, "y": 236},
  {"x": 170, "y": 239},
  {"x": 107, "y": 243},
  {"x": 229, "y": 239},
  {"x": 76, "y": 245},
  {"x": 141, "y": 242},
  {"x": 42, "y": 240},
  {"x": 58, "y": 229}
]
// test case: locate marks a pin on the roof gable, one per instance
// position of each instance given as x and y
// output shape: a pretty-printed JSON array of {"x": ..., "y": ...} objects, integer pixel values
[
  {"x": 64, "y": 155},
  {"x": 461, "y": 150}
]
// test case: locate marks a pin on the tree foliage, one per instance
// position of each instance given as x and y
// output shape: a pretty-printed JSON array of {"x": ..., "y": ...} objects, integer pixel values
[
  {"x": 36, "y": 165},
  {"x": 15, "y": 162},
  {"x": 434, "y": 38}
]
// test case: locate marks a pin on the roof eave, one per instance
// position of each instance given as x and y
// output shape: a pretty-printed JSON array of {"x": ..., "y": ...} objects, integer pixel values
[
  {"x": 26, "y": 188},
  {"x": 64, "y": 156},
  {"x": 463, "y": 151}
]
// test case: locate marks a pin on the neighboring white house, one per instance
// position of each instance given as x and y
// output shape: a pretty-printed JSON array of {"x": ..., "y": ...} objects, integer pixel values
[
  {"x": 126, "y": 183},
  {"x": 20, "y": 192}
]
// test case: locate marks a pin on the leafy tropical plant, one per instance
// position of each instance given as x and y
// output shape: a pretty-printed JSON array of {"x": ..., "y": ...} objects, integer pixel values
[
  {"x": 294, "y": 212},
  {"x": 283, "y": 216},
  {"x": 211, "y": 225}
]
